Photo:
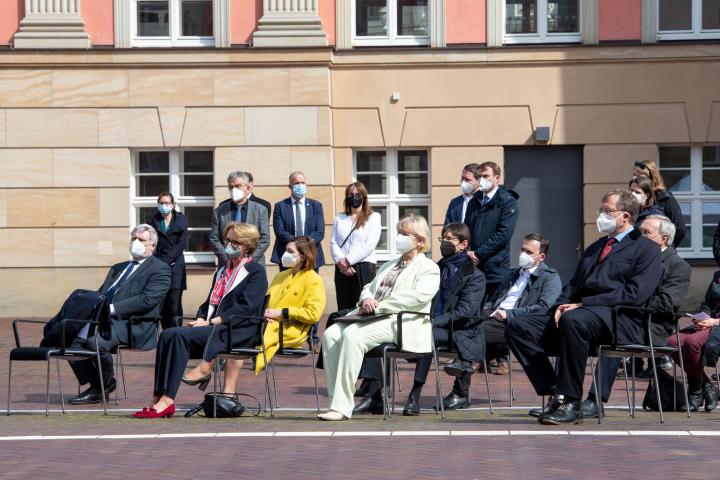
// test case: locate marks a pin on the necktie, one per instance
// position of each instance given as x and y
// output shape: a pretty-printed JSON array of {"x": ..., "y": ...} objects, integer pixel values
[
  {"x": 113, "y": 290},
  {"x": 238, "y": 214},
  {"x": 485, "y": 200},
  {"x": 606, "y": 249},
  {"x": 298, "y": 220}
]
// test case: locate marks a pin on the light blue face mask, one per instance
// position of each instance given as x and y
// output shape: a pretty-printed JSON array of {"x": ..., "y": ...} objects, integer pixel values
[
  {"x": 299, "y": 190},
  {"x": 164, "y": 209},
  {"x": 232, "y": 252}
]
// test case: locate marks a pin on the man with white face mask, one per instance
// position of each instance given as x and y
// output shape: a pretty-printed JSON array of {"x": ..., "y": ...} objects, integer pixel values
[
  {"x": 240, "y": 208},
  {"x": 469, "y": 184},
  {"x": 621, "y": 268},
  {"x": 132, "y": 288}
]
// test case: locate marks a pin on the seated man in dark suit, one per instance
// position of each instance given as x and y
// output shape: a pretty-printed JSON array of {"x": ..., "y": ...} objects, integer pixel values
[
  {"x": 673, "y": 287},
  {"x": 530, "y": 289},
  {"x": 621, "y": 268},
  {"x": 133, "y": 288}
]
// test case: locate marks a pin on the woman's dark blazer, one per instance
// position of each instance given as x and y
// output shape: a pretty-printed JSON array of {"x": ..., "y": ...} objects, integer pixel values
[
  {"x": 171, "y": 246},
  {"x": 246, "y": 298},
  {"x": 711, "y": 306}
]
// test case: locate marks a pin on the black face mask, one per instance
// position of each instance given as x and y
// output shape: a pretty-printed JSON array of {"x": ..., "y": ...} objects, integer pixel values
[
  {"x": 355, "y": 200},
  {"x": 447, "y": 249}
]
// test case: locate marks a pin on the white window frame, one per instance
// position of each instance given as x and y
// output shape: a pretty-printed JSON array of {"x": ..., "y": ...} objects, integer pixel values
[
  {"x": 542, "y": 35},
  {"x": 175, "y": 27},
  {"x": 392, "y": 38},
  {"x": 695, "y": 33},
  {"x": 392, "y": 199},
  {"x": 125, "y": 14},
  {"x": 696, "y": 197},
  {"x": 181, "y": 201}
]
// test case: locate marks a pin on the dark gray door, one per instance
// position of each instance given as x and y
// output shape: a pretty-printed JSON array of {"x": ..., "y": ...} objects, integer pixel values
[{"x": 549, "y": 182}]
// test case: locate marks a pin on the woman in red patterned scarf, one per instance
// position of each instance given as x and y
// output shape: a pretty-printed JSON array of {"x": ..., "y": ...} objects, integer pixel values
[{"x": 238, "y": 290}]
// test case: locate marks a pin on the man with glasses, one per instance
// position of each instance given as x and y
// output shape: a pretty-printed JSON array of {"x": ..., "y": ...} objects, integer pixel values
[{"x": 621, "y": 268}]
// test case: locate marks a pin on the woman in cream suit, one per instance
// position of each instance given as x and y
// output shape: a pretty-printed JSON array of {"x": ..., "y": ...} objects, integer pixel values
[{"x": 407, "y": 283}]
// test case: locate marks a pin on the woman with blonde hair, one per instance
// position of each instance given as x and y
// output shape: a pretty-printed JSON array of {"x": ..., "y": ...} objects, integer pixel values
[
  {"x": 409, "y": 282},
  {"x": 663, "y": 198}
]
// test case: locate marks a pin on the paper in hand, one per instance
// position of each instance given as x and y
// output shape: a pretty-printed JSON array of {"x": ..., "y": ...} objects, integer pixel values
[{"x": 698, "y": 316}]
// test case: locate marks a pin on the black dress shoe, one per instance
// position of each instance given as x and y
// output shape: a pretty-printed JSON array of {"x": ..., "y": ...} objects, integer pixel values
[
  {"x": 412, "y": 408},
  {"x": 568, "y": 412},
  {"x": 457, "y": 367},
  {"x": 362, "y": 390},
  {"x": 589, "y": 408},
  {"x": 369, "y": 405},
  {"x": 695, "y": 395},
  {"x": 455, "y": 402},
  {"x": 92, "y": 395},
  {"x": 553, "y": 403},
  {"x": 710, "y": 395}
]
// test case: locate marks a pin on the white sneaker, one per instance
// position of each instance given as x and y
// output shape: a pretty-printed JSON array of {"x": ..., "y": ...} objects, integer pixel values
[{"x": 332, "y": 416}]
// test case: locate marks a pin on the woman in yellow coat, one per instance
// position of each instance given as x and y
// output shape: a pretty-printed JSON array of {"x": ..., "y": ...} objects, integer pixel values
[{"x": 297, "y": 295}]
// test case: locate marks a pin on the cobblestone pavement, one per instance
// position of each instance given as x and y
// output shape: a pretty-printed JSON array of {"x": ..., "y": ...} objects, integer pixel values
[{"x": 468, "y": 444}]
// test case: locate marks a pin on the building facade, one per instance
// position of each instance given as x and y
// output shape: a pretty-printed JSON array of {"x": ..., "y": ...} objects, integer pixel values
[{"x": 106, "y": 103}]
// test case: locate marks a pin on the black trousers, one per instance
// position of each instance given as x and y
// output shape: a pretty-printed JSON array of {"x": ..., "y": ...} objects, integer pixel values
[
  {"x": 86, "y": 370},
  {"x": 171, "y": 308},
  {"x": 347, "y": 289},
  {"x": 533, "y": 338},
  {"x": 609, "y": 370},
  {"x": 175, "y": 347}
]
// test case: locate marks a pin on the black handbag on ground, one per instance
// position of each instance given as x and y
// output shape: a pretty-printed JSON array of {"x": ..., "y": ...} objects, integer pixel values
[
  {"x": 227, "y": 405},
  {"x": 668, "y": 384}
]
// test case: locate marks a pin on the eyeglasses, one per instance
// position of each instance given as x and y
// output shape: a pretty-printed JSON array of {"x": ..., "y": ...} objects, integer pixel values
[
  {"x": 233, "y": 243},
  {"x": 641, "y": 165},
  {"x": 608, "y": 211},
  {"x": 448, "y": 239},
  {"x": 165, "y": 203}
]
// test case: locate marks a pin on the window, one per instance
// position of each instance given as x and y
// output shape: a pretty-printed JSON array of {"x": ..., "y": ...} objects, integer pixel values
[
  {"x": 542, "y": 21},
  {"x": 188, "y": 175},
  {"x": 398, "y": 184},
  {"x": 158, "y": 23},
  {"x": 688, "y": 19},
  {"x": 692, "y": 174},
  {"x": 391, "y": 22}
]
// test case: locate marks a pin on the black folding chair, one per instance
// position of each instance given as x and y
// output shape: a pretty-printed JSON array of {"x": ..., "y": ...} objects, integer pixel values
[
  {"x": 130, "y": 347},
  {"x": 38, "y": 354},
  {"x": 638, "y": 350},
  {"x": 294, "y": 353}
]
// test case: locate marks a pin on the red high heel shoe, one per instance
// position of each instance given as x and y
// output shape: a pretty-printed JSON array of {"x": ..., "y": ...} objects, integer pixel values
[{"x": 152, "y": 413}]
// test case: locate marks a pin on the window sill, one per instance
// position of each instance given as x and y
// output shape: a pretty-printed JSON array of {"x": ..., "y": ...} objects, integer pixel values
[
  {"x": 200, "y": 267},
  {"x": 701, "y": 262}
]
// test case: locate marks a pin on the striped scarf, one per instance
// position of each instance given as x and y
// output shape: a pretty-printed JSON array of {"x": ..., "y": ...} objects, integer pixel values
[{"x": 226, "y": 277}]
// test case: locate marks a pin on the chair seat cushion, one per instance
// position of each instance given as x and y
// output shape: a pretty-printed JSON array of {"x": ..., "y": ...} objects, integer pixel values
[{"x": 25, "y": 354}]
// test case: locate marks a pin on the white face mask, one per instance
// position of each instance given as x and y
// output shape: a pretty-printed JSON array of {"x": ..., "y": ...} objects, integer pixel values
[
  {"x": 485, "y": 184},
  {"x": 525, "y": 261},
  {"x": 466, "y": 187},
  {"x": 137, "y": 249},
  {"x": 288, "y": 260},
  {"x": 404, "y": 243},
  {"x": 606, "y": 223},
  {"x": 640, "y": 197},
  {"x": 237, "y": 194}
]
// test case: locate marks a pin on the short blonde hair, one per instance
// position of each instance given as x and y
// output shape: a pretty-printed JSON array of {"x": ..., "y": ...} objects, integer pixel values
[
  {"x": 248, "y": 235},
  {"x": 418, "y": 226}
]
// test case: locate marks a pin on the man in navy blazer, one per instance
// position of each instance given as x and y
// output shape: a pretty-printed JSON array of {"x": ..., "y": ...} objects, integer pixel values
[
  {"x": 285, "y": 214},
  {"x": 468, "y": 186},
  {"x": 621, "y": 268}
]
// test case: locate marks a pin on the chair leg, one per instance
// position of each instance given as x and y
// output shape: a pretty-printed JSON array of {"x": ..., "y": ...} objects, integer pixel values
[
  {"x": 717, "y": 376},
  {"x": 272, "y": 373},
  {"x": 9, "y": 383},
  {"x": 438, "y": 391},
  {"x": 632, "y": 367},
  {"x": 627, "y": 386},
  {"x": 397, "y": 375},
  {"x": 216, "y": 374},
  {"x": 657, "y": 387},
  {"x": 47, "y": 390},
  {"x": 102, "y": 383},
  {"x": 596, "y": 373},
  {"x": 393, "y": 367},
  {"x": 487, "y": 385},
  {"x": 62, "y": 396},
  {"x": 117, "y": 367},
  {"x": 317, "y": 391},
  {"x": 682, "y": 372},
  {"x": 267, "y": 379},
  {"x": 384, "y": 387},
  {"x": 512, "y": 391},
  {"x": 122, "y": 373}
]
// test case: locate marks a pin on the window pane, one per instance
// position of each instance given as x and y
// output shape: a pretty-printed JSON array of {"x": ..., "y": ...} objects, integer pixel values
[
  {"x": 153, "y": 162},
  {"x": 198, "y": 162},
  {"x": 711, "y": 14},
  {"x": 412, "y": 161},
  {"x": 521, "y": 16},
  {"x": 371, "y": 18},
  {"x": 711, "y": 213},
  {"x": 152, "y": 186},
  {"x": 711, "y": 156},
  {"x": 412, "y": 17},
  {"x": 197, "y": 18},
  {"x": 674, "y": 163},
  {"x": 199, "y": 241},
  {"x": 382, "y": 244},
  {"x": 687, "y": 239},
  {"x": 711, "y": 173},
  {"x": 686, "y": 209},
  {"x": 144, "y": 213},
  {"x": 153, "y": 19},
  {"x": 413, "y": 183},
  {"x": 375, "y": 184},
  {"x": 371, "y": 161},
  {"x": 198, "y": 217},
  {"x": 674, "y": 157},
  {"x": 198, "y": 185},
  {"x": 413, "y": 209},
  {"x": 675, "y": 15},
  {"x": 562, "y": 16}
]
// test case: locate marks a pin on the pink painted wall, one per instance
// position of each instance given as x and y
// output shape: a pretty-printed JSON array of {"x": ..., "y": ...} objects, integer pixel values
[
  {"x": 11, "y": 12},
  {"x": 244, "y": 16},
  {"x": 98, "y": 18},
  {"x": 465, "y": 21},
  {"x": 326, "y": 10},
  {"x": 620, "y": 20}
]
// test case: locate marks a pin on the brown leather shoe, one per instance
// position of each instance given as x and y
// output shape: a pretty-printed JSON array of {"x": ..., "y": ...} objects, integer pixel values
[
  {"x": 478, "y": 367},
  {"x": 502, "y": 369}
]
